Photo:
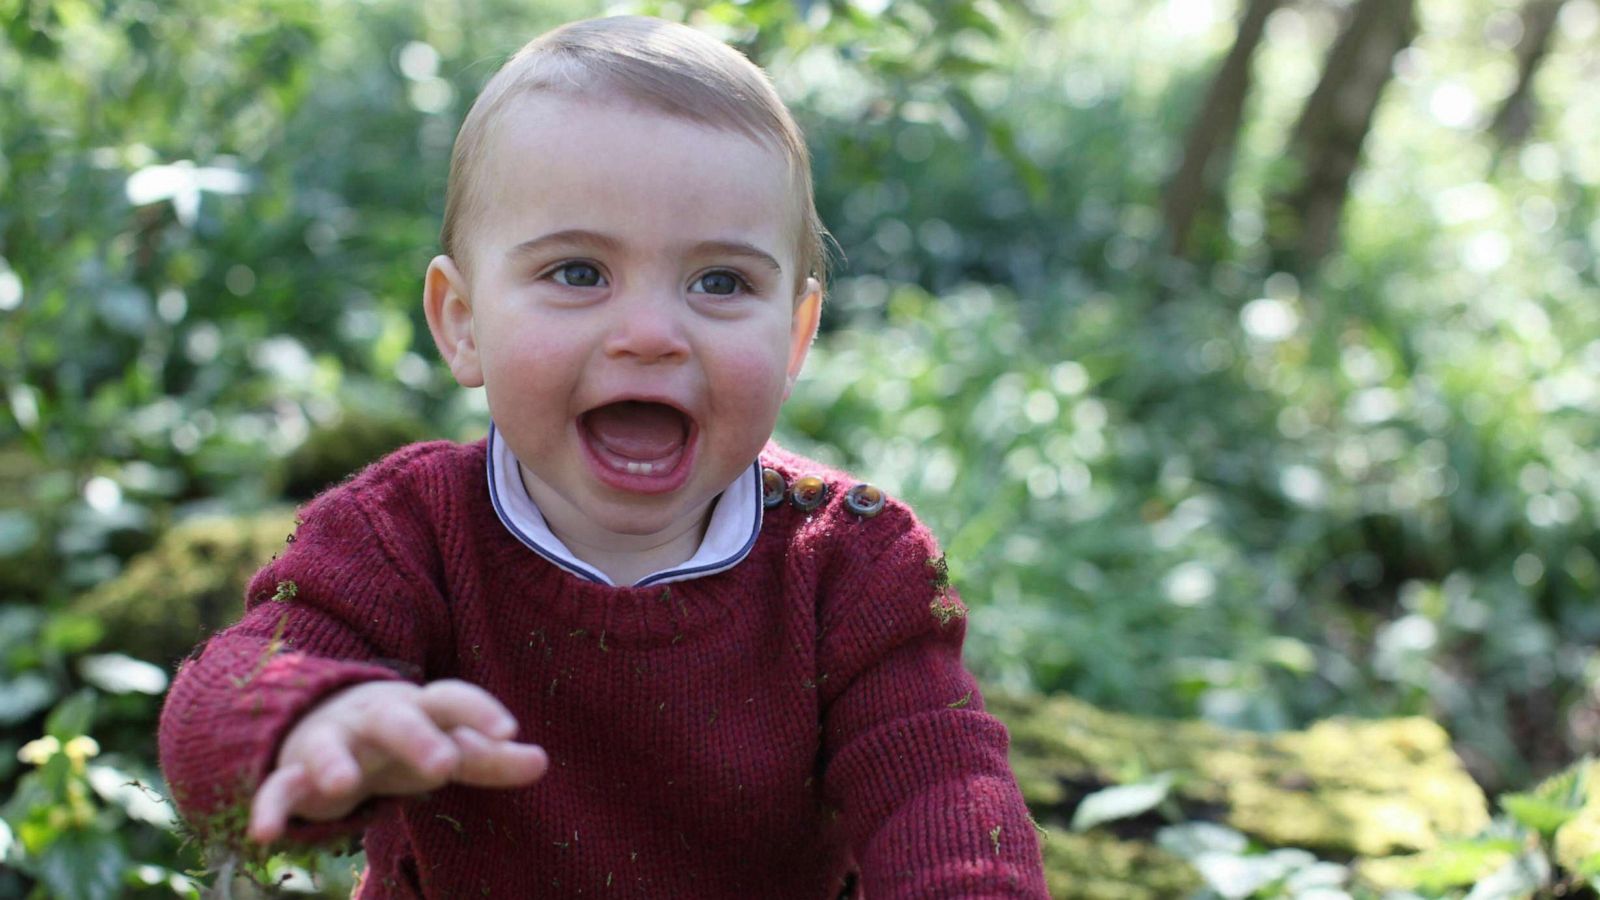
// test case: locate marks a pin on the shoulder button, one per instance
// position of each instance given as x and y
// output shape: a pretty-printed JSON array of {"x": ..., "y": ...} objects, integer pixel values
[
  {"x": 773, "y": 487},
  {"x": 865, "y": 500},
  {"x": 809, "y": 492}
]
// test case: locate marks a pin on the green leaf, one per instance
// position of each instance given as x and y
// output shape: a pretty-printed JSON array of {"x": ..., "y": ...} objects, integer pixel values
[
  {"x": 1319, "y": 877},
  {"x": 118, "y": 673},
  {"x": 1123, "y": 801},
  {"x": 18, "y": 625},
  {"x": 18, "y": 532},
  {"x": 1191, "y": 839},
  {"x": 72, "y": 717},
  {"x": 1452, "y": 865},
  {"x": 1235, "y": 877},
  {"x": 71, "y": 632},
  {"x": 83, "y": 865},
  {"x": 1541, "y": 814},
  {"x": 1566, "y": 786},
  {"x": 1517, "y": 879},
  {"x": 23, "y": 696}
]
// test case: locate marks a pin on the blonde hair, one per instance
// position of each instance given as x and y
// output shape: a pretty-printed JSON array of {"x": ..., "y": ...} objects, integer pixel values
[{"x": 666, "y": 67}]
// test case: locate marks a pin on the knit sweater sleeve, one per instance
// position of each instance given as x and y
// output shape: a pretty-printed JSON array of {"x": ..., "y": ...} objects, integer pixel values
[
  {"x": 916, "y": 768},
  {"x": 345, "y": 603}
]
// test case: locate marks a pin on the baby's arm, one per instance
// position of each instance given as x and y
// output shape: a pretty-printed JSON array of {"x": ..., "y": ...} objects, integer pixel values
[
  {"x": 353, "y": 600},
  {"x": 916, "y": 768},
  {"x": 390, "y": 738}
]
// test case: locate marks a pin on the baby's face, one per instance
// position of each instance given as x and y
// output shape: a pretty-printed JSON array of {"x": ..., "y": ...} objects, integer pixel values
[{"x": 631, "y": 310}]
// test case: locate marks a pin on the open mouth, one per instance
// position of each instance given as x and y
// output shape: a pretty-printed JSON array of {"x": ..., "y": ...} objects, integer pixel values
[{"x": 639, "y": 438}]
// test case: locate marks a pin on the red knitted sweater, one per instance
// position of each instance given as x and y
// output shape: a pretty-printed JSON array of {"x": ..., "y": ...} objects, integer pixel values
[{"x": 755, "y": 733}]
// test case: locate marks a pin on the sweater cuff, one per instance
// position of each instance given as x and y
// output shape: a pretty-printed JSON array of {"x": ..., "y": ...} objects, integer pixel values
[
  {"x": 217, "y": 750},
  {"x": 944, "y": 823}
]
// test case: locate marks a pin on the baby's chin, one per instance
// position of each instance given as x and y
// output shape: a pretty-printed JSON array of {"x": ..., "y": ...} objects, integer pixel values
[
  {"x": 620, "y": 521},
  {"x": 645, "y": 527},
  {"x": 637, "y": 515}
]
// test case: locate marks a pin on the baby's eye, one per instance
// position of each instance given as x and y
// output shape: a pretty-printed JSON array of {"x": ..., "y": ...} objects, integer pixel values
[
  {"x": 718, "y": 282},
  {"x": 577, "y": 275}
]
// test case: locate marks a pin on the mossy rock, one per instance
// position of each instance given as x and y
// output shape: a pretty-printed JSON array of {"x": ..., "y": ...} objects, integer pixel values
[
  {"x": 1577, "y": 844},
  {"x": 1564, "y": 810},
  {"x": 1097, "y": 865},
  {"x": 188, "y": 585},
  {"x": 28, "y": 562},
  {"x": 331, "y": 454},
  {"x": 1450, "y": 866},
  {"x": 1577, "y": 841},
  {"x": 192, "y": 581},
  {"x": 1346, "y": 789}
]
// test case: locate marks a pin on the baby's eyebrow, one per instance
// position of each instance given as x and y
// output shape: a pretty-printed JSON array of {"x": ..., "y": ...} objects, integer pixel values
[
  {"x": 567, "y": 238},
  {"x": 582, "y": 237},
  {"x": 738, "y": 248}
]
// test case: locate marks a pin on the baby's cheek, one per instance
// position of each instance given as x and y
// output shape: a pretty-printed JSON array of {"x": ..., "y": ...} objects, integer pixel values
[{"x": 756, "y": 379}]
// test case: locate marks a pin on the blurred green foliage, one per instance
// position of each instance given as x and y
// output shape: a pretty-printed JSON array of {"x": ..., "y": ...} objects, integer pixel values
[{"x": 1181, "y": 487}]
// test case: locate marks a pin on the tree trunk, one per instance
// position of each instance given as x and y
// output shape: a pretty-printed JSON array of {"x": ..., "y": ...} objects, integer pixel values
[
  {"x": 1326, "y": 142},
  {"x": 1515, "y": 118},
  {"x": 1208, "y": 151}
]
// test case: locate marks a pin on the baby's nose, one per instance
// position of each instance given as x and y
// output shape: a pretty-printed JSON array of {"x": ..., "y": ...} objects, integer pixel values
[{"x": 648, "y": 330}]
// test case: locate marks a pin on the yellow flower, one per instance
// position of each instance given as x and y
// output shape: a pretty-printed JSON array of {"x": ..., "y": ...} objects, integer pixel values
[
  {"x": 38, "y": 752},
  {"x": 81, "y": 748}
]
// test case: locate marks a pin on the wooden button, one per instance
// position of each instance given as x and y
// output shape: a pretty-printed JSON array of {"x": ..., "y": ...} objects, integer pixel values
[
  {"x": 864, "y": 500},
  {"x": 809, "y": 492},
  {"x": 773, "y": 487}
]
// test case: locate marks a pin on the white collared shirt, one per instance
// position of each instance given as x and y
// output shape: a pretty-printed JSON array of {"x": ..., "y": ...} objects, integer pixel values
[{"x": 731, "y": 534}]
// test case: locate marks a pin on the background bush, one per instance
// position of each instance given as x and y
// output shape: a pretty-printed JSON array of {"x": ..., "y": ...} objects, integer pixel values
[{"x": 1208, "y": 485}]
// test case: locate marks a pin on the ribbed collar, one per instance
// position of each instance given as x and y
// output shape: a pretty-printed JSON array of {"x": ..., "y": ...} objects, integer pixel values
[{"x": 735, "y": 523}]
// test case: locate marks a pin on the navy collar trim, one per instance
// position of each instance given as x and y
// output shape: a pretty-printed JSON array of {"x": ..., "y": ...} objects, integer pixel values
[{"x": 730, "y": 536}]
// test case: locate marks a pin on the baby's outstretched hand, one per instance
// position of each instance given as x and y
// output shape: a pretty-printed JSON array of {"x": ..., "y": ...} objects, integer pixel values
[{"x": 390, "y": 738}]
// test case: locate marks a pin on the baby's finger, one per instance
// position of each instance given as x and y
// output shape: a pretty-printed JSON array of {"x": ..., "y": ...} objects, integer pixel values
[
  {"x": 333, "y": 770},
  {"x": 323, "y": 749},
  {"x": 498, "y": 764},
  {"x": 453, "y": 703},
  {"x": 277, "y": 796},
  {"x": 405, "y": 734}
]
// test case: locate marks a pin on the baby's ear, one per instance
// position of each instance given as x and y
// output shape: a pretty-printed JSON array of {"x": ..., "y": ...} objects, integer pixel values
[
  {"x": 803, "y": 329},
  {"x": 448, "y": 307}
]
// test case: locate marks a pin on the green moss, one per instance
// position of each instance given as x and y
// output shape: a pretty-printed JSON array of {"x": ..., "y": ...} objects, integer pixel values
[
  {"x": 239, "y": 868},
  {"x": 946, "y": 609},
  {"x": 1096, "y": 865},
  {"x": 31, "y": 567},
  {"x": 188, "y": 585},
  {"x": 332, "y": 454},
  {"x": 1343, "y": 787},
  {"x": 1577, "y": 842},
  {"x": 939, "y": 573},
  {"x": 1443, "y": 868}
]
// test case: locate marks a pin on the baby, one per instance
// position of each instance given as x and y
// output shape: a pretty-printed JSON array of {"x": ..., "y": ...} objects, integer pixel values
[{"x": 623, "y": 646}]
